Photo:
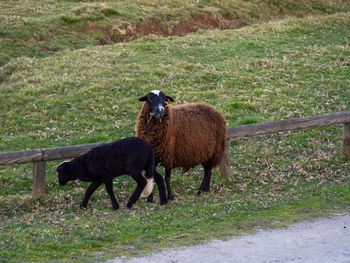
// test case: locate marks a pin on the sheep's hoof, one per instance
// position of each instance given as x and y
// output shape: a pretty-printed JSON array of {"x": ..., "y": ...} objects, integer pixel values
[
  {"x": 150, "y": 198},
  {"x": 170, "y": 196},
  {"x": 129, "y": 205},
  {"x": 163, "y": 202},
  {"x": 115, "y": 207},
  {"x": 200, "y": 191},
  {"x": 82, "y": 206}
]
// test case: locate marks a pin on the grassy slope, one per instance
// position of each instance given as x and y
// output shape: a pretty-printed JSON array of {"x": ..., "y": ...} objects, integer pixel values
[
  {"x": 41, "y": 28},
  {"x": 281, "y": 70},
  {"x": 264, "y": 72}
]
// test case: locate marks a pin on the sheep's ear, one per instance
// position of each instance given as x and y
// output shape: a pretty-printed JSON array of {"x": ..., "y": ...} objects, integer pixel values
[
  {"x": 169, "y": 99},
  {"x": 144, "y": 98}
]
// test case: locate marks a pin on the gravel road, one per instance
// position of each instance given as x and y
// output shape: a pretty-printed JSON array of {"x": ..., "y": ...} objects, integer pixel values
[{"x": 321, "y": 241}]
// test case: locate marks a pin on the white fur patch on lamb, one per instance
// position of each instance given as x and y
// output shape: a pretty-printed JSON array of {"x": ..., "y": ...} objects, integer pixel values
[{"x": 148, "y": 188}]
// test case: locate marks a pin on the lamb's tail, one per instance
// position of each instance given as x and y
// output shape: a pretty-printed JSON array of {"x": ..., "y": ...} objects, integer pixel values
[{"x": 149, "y": 176}]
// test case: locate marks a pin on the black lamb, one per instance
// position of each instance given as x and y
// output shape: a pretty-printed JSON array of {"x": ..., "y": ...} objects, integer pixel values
[{"x": 102, "y": 163}]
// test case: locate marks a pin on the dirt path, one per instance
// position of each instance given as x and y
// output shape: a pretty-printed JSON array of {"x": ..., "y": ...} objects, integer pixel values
[{"x": 324, "y": 240}]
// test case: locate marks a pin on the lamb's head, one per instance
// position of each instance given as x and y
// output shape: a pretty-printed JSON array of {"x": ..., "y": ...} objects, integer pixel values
[
  {"x": 65, "y": 173},
  {"x": 156, "y": 101}
]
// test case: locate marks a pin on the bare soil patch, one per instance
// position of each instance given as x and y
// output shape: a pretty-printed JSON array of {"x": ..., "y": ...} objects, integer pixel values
[
  {"x": 156, "y": 27},
  {"x": 192, "y": 24}
]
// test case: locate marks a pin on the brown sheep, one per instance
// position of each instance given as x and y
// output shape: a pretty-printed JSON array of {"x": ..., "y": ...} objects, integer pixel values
[{"x": 182, "y": 136}]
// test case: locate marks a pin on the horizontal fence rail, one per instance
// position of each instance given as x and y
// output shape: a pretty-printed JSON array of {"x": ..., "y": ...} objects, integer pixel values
[
  {"x": 25, "y": 156},
  {"x": 287, "y": 125},
  {"x": 39, "y": 157},
  {"x": 235, "y": 132},
  {"x": 47, "y": 154}
]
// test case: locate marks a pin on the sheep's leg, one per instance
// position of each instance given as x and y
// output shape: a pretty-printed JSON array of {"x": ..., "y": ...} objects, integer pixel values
[
  {"x": 141, "y": 183},
  {"x": 161, "y": 188},
  {"x": 109, "y": 189},
  {"x": 205, "y": 186},
  {"x": 167, "y": 181},
  {"x": 91, "y": 189},
  {"x": 150, "y": 198}
]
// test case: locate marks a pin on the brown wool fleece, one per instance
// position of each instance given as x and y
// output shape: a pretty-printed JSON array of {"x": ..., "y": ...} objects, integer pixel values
[{"x": 187, "y": 135}]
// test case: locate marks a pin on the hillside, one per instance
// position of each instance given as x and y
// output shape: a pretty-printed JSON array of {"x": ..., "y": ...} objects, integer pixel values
[
  {"x": 260, "y": 73},
  {"x": 269, "y": 71},
  {"x": 41, "y": 28},
  {"x": 67, "y": 79}
]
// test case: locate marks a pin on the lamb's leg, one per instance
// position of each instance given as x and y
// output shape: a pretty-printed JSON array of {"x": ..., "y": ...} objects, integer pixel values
[
  {"x": 91, "y": 189},
  {"x": 109, "y": 189},
  {"x": 161, "y": 188},
  {"x": 167, "y": 181},
  {"x": 205, "y": 186},
  {"x": 141, "y": 183},
  {"x": 150, "y": 198}
]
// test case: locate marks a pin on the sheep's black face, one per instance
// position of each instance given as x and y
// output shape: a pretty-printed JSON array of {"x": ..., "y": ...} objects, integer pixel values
[
  {"x": 65, "y": 174},
  {"x": 156, "y": 101}
]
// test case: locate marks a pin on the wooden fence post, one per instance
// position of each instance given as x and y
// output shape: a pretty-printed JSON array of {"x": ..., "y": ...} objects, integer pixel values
[
  {"x": 346, "y": 139},
  {"x": 225, "y": 166},
  {"x": 39, "y": 173}
]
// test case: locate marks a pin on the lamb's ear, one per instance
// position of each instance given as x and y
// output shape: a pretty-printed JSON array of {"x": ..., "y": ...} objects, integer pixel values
[
  {"x": 169, "y": 99},
  {"x": 144, "y": 98}
]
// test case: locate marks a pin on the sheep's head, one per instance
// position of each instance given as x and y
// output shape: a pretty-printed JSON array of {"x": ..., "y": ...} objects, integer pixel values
[
  {"x": 65, "y": 173},
  {"x": 156, "y": 102}
]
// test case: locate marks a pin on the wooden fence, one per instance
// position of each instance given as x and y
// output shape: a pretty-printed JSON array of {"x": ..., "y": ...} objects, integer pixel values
[{"x": 39, "y": 157}]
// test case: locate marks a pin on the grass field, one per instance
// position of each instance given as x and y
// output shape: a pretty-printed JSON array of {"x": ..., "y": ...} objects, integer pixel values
[
  {"x": 39, "y": 28},
  {"x": 270, "y": 71}
]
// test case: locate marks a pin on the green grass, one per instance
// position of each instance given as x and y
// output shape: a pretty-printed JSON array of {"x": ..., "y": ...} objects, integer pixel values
[
  {"x": 264, "y": 72},
  {"x": 40, "y": 28}
]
